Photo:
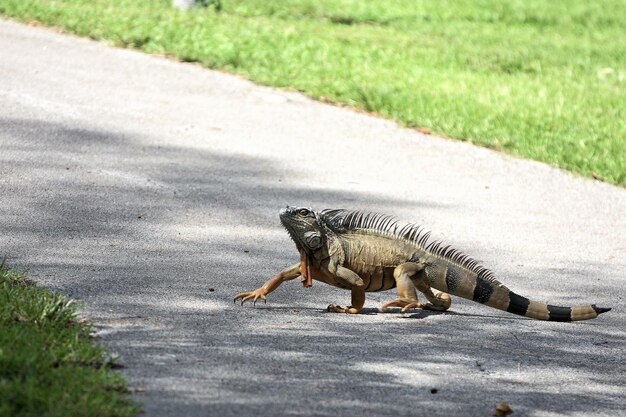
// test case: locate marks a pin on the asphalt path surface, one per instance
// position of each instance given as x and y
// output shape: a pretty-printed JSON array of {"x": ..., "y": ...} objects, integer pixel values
[{"x": 149, "y": 190}]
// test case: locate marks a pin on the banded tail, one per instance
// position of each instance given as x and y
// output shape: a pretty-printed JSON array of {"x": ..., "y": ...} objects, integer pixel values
[{"x": 487, "y": 290}]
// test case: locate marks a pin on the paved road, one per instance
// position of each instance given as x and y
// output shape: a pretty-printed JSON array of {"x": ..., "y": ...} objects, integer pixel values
[{"x": 149, "y": 189}]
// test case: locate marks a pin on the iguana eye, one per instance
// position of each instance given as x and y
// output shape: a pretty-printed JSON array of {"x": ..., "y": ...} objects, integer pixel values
[{"x": 303, "y": 212}]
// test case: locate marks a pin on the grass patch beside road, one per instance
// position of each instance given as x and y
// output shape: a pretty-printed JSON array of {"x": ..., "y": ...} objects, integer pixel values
[
  {"x": 49, "y": 366},
  {"x": 542, "y": 80}
]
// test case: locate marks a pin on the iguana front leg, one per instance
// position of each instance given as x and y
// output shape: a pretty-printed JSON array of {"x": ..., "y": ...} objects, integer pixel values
[
  {"x": 358, "y": 300},
  {"x": 286, "y": 274},
  {"x": 344, "y": 274},
  {"x": 354, "y": 282}
]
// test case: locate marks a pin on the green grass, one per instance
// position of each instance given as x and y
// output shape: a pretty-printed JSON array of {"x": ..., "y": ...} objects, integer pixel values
[
  {"x": 538, "y": 79},
  {"x": 49, "y": 366}
]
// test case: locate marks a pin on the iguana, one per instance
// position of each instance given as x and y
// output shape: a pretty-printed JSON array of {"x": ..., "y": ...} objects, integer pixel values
[{"x": 368, "y": 252}]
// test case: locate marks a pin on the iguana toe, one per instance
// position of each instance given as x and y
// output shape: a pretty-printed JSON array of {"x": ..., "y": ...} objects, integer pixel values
[
  {"x": 254, "y": 295},
  {"x": 440, "y": 302},
  {"x": 429, "y": 306},
  {"x": 337, "y": 309},
  {"x": 411, "y": 305},
  {"x": 404, "y": 303}
]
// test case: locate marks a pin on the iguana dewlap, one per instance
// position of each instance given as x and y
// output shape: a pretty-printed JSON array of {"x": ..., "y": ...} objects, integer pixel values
[{"x": 370, "y": 252}]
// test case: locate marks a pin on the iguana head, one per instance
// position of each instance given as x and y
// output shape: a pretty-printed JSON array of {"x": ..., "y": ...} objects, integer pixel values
[{"x": 304, "y": 227}]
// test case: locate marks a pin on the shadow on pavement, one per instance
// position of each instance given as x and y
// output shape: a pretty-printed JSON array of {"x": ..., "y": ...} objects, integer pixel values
[{"x": 156, "y": 240}]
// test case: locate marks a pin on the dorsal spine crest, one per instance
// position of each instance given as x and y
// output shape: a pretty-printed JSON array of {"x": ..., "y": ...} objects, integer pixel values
[{"x": 341, "y": 221}]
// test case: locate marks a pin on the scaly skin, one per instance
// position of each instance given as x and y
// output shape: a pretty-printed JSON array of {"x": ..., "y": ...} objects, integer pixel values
[{"x": 370, "y": 252}]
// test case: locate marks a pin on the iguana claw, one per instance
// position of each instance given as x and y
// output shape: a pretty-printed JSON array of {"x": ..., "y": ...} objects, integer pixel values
[{"x": 254, "y": 295}]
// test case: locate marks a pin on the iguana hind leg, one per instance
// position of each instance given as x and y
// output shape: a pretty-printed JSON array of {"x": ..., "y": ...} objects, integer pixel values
[
  {"x": 407, "y": 296},
  {"x": 270, "y": 285},
  {"x": 413, "y": 273},
  {"x": 439, "y": 300},
  {"x": 358, "y": 300}
]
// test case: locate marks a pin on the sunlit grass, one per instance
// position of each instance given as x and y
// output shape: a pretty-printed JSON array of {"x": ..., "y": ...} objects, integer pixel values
[
  {"x": 542, "y": 80},
  {"x": 49, "y": 365}
]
